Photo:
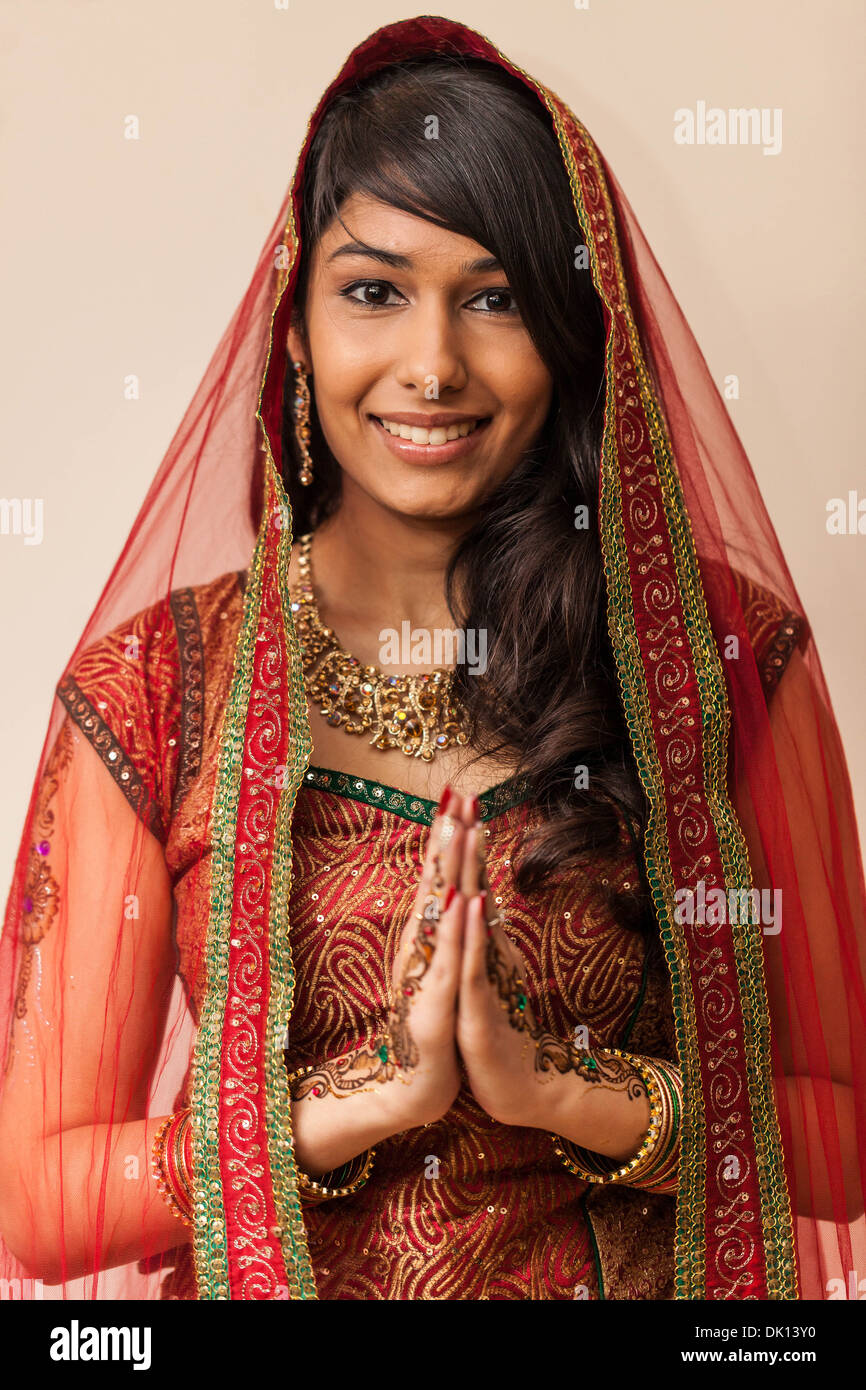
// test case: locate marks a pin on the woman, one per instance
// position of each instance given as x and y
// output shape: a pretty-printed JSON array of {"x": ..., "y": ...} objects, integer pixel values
[{"x": 342, "y": 964}]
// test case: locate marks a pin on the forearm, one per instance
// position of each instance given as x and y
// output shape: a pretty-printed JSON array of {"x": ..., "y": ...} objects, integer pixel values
[
  {"x": 344, "y": 1106},
  {"x": 331, "y": 1129},
  {"x": 86, "y": 1199},
  {"x": 606, "y": 1120},
  {"x": 613, "y": 1116}
]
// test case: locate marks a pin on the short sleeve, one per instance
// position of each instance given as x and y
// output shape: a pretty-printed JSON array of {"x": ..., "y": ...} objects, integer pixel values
[
  {"x": 123, "y": 693},
  {"x": 774, "y": 629}
]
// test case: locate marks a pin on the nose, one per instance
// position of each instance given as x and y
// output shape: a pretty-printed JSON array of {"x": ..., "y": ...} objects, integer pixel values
[{"x": 429, "y": 353}]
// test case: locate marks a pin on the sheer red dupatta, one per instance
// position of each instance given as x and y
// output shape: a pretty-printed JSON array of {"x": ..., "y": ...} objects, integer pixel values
[
  {"x": 745, "y": 776},
  {"x": 792, "y": 796}
]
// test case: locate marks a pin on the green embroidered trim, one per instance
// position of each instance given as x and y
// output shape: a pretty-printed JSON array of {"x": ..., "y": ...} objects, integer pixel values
[
  {"x": 494, "y": 801},
  {"x": 210, "y": 1234},
  {"x": 278, "y": 1113},
  {"x": 777, "y": 1223}
]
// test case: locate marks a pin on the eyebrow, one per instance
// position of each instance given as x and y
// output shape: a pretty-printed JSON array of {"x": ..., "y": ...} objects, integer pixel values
[{"x": 398, "y": 262}]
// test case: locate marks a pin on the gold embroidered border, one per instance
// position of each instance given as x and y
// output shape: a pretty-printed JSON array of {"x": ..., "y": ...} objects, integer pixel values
[
  {"x": 210, "y": 1235},
  {"x": 278, "y": 1114}
]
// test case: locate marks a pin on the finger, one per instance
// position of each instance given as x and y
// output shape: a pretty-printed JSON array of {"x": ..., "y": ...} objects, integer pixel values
[
  {"x": 445, "y": 969},
  {"x": 469, "y": 882},
  {"x": 446, "y": 841},
  {"x": 473, "y": 972},
  {"x": 450, "y": 861},
  {"x": 510, "y": 961}
]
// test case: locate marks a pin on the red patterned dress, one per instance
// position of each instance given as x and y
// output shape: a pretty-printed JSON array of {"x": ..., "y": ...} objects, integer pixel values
[{"x": 465, "y": 1208}]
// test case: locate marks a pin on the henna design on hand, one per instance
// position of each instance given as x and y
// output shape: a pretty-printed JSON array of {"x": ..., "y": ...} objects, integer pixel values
[
  {"x": 344, "y": 1076},
  {"x": 393, "y": 1053},
  {"x": 609, "y": 1073}
]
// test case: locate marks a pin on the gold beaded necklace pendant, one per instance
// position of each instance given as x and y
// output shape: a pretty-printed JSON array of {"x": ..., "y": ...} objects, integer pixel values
[{"x": 416, "y": 714}]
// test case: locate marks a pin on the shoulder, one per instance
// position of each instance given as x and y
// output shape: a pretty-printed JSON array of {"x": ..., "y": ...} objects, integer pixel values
[
  {"x": 137, "y": 692},
  {"x": 773, "y": 625},
  {"x": 774, "y": 628}
]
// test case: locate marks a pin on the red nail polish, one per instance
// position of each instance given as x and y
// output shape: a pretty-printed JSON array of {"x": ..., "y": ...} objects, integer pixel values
[
  {"x": 444, "y": 799},
  {"x": 483, "y": 896},
  {"x": 476, "y": 808},
  {"x": 449, "y": 895}
]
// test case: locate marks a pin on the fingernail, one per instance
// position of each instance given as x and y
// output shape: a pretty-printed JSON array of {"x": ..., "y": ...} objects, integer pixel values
[
  {"x": 449, "y": 895},
  {"x": 444, "y": 799},
  {"x": 476, "y": 808}
]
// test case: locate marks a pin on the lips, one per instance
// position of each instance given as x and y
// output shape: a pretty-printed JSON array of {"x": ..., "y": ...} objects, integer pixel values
[{"x": 434, "y": 436}]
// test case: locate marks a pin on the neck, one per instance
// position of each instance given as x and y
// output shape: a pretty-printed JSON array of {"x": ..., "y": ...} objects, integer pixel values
[{"x": 375, "y": 568}]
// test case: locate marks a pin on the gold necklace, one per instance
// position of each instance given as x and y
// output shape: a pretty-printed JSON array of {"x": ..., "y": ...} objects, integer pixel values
[{"x": 417, "y": 714}]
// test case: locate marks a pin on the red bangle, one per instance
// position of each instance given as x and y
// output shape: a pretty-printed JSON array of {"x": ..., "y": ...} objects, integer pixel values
[{"x": 167, "y": 1161}]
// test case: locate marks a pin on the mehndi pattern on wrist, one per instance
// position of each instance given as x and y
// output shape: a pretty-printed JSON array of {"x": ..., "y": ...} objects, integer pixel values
[{"x": 655, "y": 1166}]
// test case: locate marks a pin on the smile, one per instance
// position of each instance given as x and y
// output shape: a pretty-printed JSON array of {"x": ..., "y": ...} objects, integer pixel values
[{"x": 439, "y": 434}]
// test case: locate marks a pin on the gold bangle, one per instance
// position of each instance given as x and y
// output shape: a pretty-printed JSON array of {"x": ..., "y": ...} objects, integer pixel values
[
  {"x": 358, "y": 1168},
  {"x": 323, "y": 1191},
  {"x": 654, "y": 1167}
]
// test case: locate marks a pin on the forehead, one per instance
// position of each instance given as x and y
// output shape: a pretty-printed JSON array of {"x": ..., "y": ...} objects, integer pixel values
[{"x": 380, "y": 226}]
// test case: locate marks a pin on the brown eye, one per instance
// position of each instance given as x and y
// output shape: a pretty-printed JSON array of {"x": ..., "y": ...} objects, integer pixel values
[
  {"x": 370, "y": 292},
  {"x": 495, "y": 302}
]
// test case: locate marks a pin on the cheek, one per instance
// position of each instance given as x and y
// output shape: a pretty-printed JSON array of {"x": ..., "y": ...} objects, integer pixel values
[
  {"x": 340, "y": 382},
  {"x": 341, "y": 366},
  {"x": 527, "y": 392}
]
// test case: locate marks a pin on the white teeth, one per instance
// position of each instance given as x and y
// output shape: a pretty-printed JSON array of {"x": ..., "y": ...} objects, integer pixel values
[{"x": 438, "y": 435}]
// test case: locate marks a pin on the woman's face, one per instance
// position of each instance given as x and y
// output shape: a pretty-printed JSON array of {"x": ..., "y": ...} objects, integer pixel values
[{"x": 427, "y": 384}]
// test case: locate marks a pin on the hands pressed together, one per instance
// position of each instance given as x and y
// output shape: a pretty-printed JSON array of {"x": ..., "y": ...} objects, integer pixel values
[
  {"x": 459, "y": 993},
  {"x": 458, "y": 985}
]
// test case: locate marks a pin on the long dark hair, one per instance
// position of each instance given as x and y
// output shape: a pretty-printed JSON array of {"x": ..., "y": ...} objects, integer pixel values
[{"x": 530, "y": 570}]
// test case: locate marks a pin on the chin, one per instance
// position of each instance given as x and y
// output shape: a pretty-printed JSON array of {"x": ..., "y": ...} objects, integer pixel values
[{"x": 431, "y": 508}]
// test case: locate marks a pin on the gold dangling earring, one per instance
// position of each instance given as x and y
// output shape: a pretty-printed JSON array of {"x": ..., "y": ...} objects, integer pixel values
[{"x": 301, "y": 412}]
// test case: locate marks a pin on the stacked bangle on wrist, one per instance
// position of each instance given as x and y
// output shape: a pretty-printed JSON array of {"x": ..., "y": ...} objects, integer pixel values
[
  {"x": 342, "y": 1181},
  {"x": 172, "y": 1163},
  {"x": 655, "y": 1166}
]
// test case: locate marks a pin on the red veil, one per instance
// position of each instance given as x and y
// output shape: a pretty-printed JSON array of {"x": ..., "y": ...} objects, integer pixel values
[{"x": 733, "y": 735}]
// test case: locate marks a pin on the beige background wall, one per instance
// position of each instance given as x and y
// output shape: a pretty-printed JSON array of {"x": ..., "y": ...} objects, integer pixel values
[{"x": 129, "y": 257}]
